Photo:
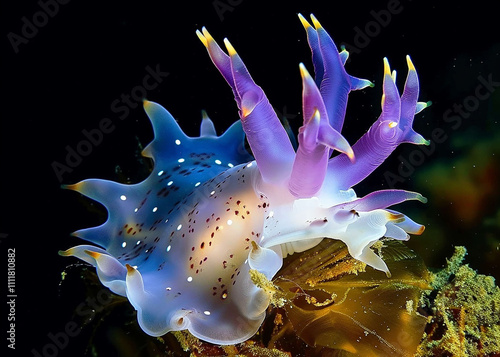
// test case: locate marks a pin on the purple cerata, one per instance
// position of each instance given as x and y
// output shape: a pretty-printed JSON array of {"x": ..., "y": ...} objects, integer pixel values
[{"x": 180, "y": 244}]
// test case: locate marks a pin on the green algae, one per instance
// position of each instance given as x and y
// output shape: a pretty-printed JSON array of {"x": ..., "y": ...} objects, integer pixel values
[{"x": 464, "y": 309}]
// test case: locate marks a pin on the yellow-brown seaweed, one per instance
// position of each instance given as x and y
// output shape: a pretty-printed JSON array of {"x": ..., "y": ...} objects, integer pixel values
[{"x": 339, "y": 303}]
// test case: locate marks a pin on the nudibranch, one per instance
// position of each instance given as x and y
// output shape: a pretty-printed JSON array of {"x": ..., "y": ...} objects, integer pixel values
[{"x": 180, "y": 244}]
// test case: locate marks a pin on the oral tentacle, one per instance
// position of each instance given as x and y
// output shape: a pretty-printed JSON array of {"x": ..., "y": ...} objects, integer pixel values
[
  {"x": 109, "y": 270},
  {"x": 395, "y": 232},
  {"x": 409, "y": 225},
  {"x": 381, "y": 199},
  {"x": 264, "y": 260},
  {"x": 79, "y": 251}
]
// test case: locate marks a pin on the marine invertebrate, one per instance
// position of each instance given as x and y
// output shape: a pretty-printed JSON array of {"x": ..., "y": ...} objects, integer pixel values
[{"x": 180, "y": 245}]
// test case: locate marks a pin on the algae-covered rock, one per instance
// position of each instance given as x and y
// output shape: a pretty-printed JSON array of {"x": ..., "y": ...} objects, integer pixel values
[{"x": 464, "y": 310}]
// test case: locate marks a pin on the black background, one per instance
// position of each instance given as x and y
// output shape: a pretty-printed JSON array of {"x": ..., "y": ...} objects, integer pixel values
[{"x": 66, "y": 77}]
